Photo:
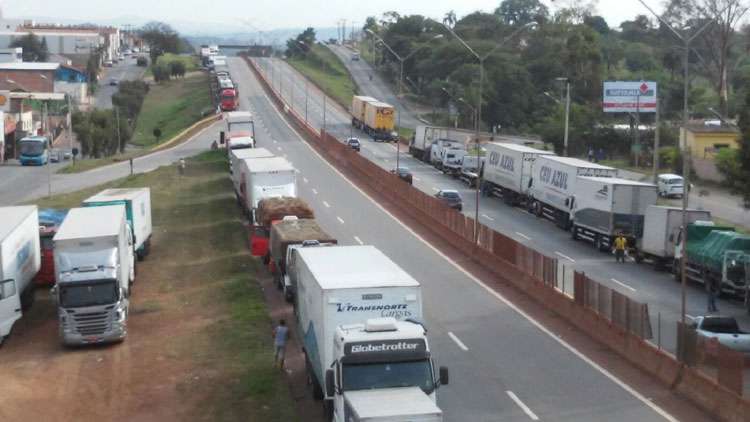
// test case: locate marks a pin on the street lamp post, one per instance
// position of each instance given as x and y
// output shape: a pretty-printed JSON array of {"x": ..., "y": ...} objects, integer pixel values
[
  {"x": 481, "y": 60},
  {"x": 567, "y": 113}
]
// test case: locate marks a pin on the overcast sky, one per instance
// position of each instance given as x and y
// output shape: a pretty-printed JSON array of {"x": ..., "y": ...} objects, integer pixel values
[{"x": 265, "y": 15}]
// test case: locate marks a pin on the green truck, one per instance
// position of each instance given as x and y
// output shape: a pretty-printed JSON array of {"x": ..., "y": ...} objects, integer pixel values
[{"x": 714, "y": 252}]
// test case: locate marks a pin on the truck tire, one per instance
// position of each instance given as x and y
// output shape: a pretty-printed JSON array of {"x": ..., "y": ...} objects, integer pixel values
[
  {"x": 676, "y": 270},
  {"x": 328, "y": 409},
  {"x": 27, "y": 298},
  {"x": 278, "y": 280},
  {"x": 638, "y": 257},
  {"x": 574, "y": 232},
  {"x": 599, "y": 243}
]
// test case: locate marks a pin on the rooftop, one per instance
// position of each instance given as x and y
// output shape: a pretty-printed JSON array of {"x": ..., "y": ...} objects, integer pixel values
[
  {"x": 91, "y": 222},
  {"x": 577, "y": 162},
  {"x": 12, "y": 216},
  {"x": 29, "y": 66}
]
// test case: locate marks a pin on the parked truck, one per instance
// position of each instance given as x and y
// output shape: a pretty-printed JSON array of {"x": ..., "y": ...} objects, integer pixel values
[
  {"x": 235, "y": 156},
  {"x": 452, "y": 161},
  {"x": 553, "y": 186},
  {"x": 662, "y": 227},
  {"x": 49, "y": 221},
  {"x": 508, "y": 170},
  {"x": 425, "y": 137},
  {"x": 19, "y": 263},
  {"x": 239, "y": 121},
  {"x": 271, "y": 211},
  {"x": 357, "y": 312},
  {"x": 471, "y": 167},
  {"x": 714, "y": 252},
  {"x": 265, "y": 178},
  {"x": 287, "y": 233},
  {"x": 605, "y": 207},
  {"x": 137, "y": 202},
  {"x": 441, "y": 148},
  {"x": 374, "y": 117},
  {"x": 95, "y": 267}
]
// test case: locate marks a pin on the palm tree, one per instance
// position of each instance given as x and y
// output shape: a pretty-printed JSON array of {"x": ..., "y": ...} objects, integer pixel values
[{"x": 450, "y": 18}]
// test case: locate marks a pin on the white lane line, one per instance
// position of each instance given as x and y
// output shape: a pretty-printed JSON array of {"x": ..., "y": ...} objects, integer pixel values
[
  {"x": 523, "y": 235},
  {"x": 341, "y": 220},
  {"x": 488, "y": 217},
  {"x": 622, "y": 284},
  {"x": 279, "y": 148},
  {"x": 326, "y": 204},
  {"x": 359, "y": 240},
  {"x": 304, "y": 179},
  {"x": 435, "y": 189},
  {"x": 522, "y": 405},
  {"x": 295, "y": 170},
  {"x": 630, "y": 390},
  {"x": 274, "y": 141},
  {"x": 315, "y": 191},
  {"x": 417, "y": 179},
  {"x": 457, "y": 341},
  {"x": 565, "y": 256}
]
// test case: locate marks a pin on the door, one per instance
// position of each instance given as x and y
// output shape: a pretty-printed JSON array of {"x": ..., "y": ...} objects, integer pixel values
[{"x": 10, "y": 306}]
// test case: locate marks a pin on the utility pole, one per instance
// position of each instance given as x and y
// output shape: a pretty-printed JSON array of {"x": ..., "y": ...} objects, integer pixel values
[
  {"x": 637, "y": 142},
  {"x": 117, "y": 124},
  {"x": 45, "y": 130},
  {"x": 567, "y": 117},
  {"x": 656, "y": 142}
]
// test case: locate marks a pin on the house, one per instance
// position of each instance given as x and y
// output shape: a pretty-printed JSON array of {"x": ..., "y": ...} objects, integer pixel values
[
  {"x": 11, "y": 55},
  {"x": 73, "y": 82},
  {"x": 28, "y": 76},
  {"x": 704, "y": 140}
]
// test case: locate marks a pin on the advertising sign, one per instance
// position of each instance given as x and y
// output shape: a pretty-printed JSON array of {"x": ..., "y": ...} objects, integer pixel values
[{"x": 629, "y": 97}]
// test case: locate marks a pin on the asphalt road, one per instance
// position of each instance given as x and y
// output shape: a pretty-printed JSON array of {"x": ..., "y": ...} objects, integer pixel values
[
  {"x": 375, "y": 87},
  {"x": 495, "y": 354},
  {"x": 638, "y": 281},
  {"x": 122, "y": 71},
  {"x": 22, "y": 184}
]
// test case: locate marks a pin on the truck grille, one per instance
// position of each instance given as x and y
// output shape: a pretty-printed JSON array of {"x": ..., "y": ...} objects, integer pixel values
[{"x": 91, "y": 323}]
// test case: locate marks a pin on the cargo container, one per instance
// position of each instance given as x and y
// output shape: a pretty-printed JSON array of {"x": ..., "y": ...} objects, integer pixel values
[
  {"x": 374, "y": 117},
  {"x": 137, "y": 202},
  {"x": 265, "y": 178},
  {"x": 661, "y": 231},
  {"x": 241, "y": 154},
  {"x": 269, "y": 212},
  {"x": 508, "y": 170}
]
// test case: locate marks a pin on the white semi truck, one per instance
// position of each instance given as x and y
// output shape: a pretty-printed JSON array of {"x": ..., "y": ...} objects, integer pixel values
[
  {"x": 137, "y": 202},
  {"x": 236, "y": 155},
  {"x": 661, "y": 232},
  {"x": 553, "y": 186},
  {"x": 507, "y": 170},
  {"x": 358, "y": 312},
  {"x": 20, "y": 260},
  {"x": 604, "y": 207},
  {"x": 265, "y": 178},
  {"x": 94, "y": 267}
]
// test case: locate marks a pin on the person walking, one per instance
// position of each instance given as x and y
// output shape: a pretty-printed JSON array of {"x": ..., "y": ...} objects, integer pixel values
[
  {"x": 620, "y": 244},
  {"x": 712, "y": 291},
  {"x": 591, "y": 154},
  {"x": 280, "y": 337}
]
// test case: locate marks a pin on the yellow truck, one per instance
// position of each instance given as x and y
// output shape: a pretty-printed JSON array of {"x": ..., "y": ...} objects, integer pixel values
[{"x": 374, "y": 118}]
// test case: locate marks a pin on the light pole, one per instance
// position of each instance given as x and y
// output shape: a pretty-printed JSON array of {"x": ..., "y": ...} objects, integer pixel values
[
  {"x": 481, "y": 60},
  {"x": 308, "y": 49},
  {"x": 461, "y": 100},
  {"x": 685, "y": 150},
  {"x": 567, "y": 113}
]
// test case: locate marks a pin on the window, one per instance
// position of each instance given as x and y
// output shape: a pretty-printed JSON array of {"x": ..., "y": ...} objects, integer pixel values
[{"x": 7, "y": 289}]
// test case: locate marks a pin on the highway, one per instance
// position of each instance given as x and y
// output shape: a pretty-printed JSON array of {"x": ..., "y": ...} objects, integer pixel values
[
  {"x": 123, "y": 71},
  {"x": 503, "y": 365},
  {"x": 640, "y": 282}
]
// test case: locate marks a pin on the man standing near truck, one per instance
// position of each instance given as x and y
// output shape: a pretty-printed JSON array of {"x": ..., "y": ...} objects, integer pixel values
[
  {"x": 280, "y": 336},
  {"x": 620, "y": 244},
  {"x": 712, "y": 290}
]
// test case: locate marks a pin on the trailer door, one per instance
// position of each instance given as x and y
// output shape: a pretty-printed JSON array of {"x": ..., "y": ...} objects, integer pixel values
[{"x": 10, "y": 306}]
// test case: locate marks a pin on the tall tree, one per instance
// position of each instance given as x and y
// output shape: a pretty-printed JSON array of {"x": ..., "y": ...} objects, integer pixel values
[
  {"x": 161, "y": 38},
  {"x": 744, "y": 153},
  {"x": 34, "y": 49},
  {"x": 450, "y": 18},
  {"x": 521, "y": 12}
]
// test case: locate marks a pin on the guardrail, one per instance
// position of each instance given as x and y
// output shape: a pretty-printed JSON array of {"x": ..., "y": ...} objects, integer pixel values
[{"x": 607, "y": 316}]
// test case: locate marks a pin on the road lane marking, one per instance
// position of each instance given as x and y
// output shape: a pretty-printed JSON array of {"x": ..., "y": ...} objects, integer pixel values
[
  {"x": 622, "y": 284},
  {"x": 565, "y": 256},
  {"x": 488, "y": 217},
  {"x": 326, "y": 204},
  {"x": 646, "y": 401},
  {"x": 341, "y": 220},
  {"x": 436, "y": 189},
  {"x": 274, "y": 141},
  {"x": 522, "y": 405},
  {"x": 457, "y": 341},
  {"x": 417, "y": 179},
  {"x": 279, "y": 148},
  {"x": 304, "y": 179},
  {"x": 359, "y": 240},
  {"x": 315, "y": 191},
  {"x": 523, "y": 235}
]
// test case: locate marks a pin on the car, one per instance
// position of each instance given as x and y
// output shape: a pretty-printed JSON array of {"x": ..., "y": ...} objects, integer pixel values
[
  {"x": 121, "y": 57},
  {"x": 451, "y": 198},
  {"x": 724, "y": 329},
  {"x": 54, "y": 156},
  {"x": 404, "y": 174},
  {"x": 108, "y": 63},
  {"x": 67, "y": 155},
  {"x": 113, "y": 82},
  {"x": 354, "y": 143},
  {"x": 670, "y": 185},
  {"x": 355, "y": 57}
]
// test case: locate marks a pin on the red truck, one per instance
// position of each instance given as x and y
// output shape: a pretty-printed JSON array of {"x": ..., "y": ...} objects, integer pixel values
[
  {"x": 269, "y": 212},
  {"x": 49, "y": 221},
  {"x": 230, "y": 99}
]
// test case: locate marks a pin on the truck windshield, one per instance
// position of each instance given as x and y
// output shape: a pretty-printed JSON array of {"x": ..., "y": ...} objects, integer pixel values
[
  {"x": 90, "y": 293},
  {"x": 389, "y": 375},
  {"x": 240, "y": 127},
  {"x": 31, "y": 148}
]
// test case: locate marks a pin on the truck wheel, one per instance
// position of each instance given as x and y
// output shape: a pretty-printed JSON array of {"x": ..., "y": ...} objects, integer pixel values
[
  {"x": 317, "y": 390},
  {"x": 638, "y": 257},
  {"x": 140, "y": 255},
  {"x": 277, "y": 280},
  {"x": 676, "y": 270},
  {"x": 599, "y": 243},
  {"x": 328, "y": 409},
  {"x": 27, "y": 298},
  {"x": 574, "y": 232}
]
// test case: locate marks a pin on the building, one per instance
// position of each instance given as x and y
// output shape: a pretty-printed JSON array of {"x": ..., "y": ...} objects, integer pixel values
[
  {"x": 72, "y": 81},
  {"x": 11, "y": 55},
  {"x": 28, "y": 76},
  {"x": 704, "y": 140}
]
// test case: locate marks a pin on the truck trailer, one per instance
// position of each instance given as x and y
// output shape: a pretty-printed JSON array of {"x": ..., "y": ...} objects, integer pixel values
[
  {"x": 507, "y": 171},
  {"x": 236, "y": 155},
  {"x": 605, "y": 207},
  {"x": 265, "y": 178},
  {"x": 357, "y": 312},
  {"x": 137, "y": 202},
  {"x": 662, "y": 227},
  {"x": 374, "y": 117},
  {"x": 269, "y": 212},
  {"x": 95, "y": 267},
  {"x": 19, "y": 263},
  {"x": 553, "y": 186}
]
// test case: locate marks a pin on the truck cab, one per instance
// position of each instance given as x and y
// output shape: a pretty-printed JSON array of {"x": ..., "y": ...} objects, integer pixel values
[{"x": 383, "y": 356}]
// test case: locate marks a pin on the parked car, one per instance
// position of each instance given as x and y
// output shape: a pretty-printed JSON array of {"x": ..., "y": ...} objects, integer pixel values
[
  {"x": 355, "y": 57},
  {"x": 724, "y": 329},
  {"x": 354, "y": 143},
  {"x": 108, "y": 63},
  {"x": 113, "y": 82},
  {"x": 67, "y": 155},
  {"x": 54, "y": 156},
  {"x": 404, "y": 174},
  {"x": 451, "y": 198},
  {"x": 670, "y": 185}
]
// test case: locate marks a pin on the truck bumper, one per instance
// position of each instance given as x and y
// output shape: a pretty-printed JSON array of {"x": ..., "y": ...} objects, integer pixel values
[{"x": 116, "y": 334}]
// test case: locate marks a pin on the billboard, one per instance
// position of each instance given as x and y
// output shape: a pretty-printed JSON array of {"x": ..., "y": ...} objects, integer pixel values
[{"x": 629, "y": 97}]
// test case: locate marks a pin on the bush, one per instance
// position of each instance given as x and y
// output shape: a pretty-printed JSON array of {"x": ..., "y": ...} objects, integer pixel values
[
  {"x": 161, "y": 72},
  {"x": 728, "y": 164},
  {"x": 177, "y": 68},
  {"x": 670, "y": 158}
]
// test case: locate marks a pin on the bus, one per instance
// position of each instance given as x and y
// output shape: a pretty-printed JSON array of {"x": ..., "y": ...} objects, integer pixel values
[{"x": 33, "y": 150}]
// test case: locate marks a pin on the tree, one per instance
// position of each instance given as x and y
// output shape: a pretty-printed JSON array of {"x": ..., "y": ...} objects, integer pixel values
[
  {"x": 597, "y": 23},
  {"x": 450, "y": 19},
  {"x": 302, "y": 44},
  {"x": 34, "y": 50},
  {"x": 744, "y": 154},
  {"x": 161, "y": 38},
  {"x": 521, "y": 12}
]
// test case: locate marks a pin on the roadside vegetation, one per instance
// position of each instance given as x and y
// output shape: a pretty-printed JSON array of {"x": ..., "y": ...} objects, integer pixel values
[
  {"x": 321, "y": 66},
  {"x": 199, "y": 324}
]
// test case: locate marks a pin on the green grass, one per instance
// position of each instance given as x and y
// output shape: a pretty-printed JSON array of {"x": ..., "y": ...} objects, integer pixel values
[
  {"x": 328, "y": 73},
  {"x": 171, "y": 106},
  {"x": 201, "y": 274},
  {"x": 191, "y": 62}
]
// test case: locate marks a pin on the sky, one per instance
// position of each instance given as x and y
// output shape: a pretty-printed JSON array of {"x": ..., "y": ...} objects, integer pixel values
[{"x": 266, "y": 15}]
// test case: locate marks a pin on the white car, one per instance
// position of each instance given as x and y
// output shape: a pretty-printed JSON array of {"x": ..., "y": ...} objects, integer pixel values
[
  {"x": 724, "y": 329},
  {"x": 670, "y": 185}
]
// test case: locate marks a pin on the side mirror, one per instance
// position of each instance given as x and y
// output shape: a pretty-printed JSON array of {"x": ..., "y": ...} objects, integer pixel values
[
  {"x": 444, "y": 378},
  {"x": 330, "y": 383}
]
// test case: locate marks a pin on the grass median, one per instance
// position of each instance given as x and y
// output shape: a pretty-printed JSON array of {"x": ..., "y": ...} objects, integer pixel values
[
  {"x": 199, "y": 285},
  {"x": 324, "y": 69},
  {"x": 171, "y": 106}
]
